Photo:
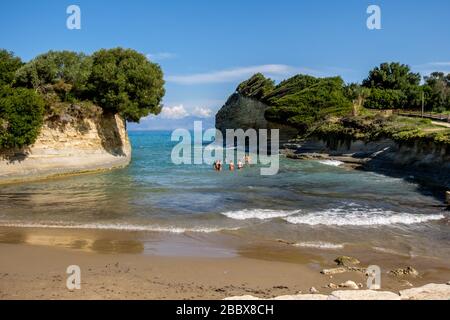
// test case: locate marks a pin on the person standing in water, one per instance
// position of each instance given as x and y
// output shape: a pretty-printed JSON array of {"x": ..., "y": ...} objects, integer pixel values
[
  {"x": 240, "y": 165},
  {"x": 231, "y": 166},
  {"x": 247, "y": 159}
]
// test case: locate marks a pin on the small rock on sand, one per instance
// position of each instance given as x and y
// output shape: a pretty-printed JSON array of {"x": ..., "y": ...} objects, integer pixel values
[
  {"x": 333, "y": 271},
  {"x": 349, "y": 284},
  {"x": 357, "y": 269},
  {"x": 430, "y": 291},
  {"x": 332, "y": 286},
  {"x": 405, "y": 283},
  {"x": 346, "y": 261},
  {"x": 408, "y": 271},
  {"x": 363, "y": 295},
  {"x": 313, "y": 290}
]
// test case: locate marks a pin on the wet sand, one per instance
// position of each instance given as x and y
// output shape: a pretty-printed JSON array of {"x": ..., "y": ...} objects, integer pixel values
[{"x": 132, "y": 265}]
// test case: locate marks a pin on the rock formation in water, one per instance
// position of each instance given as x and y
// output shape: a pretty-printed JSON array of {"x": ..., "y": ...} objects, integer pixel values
[
  {"x": 65, "y": 112},
  {"x": 241, "y": 112}
]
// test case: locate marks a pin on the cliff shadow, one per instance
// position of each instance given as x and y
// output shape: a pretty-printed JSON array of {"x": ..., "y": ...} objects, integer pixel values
[
  {"x": 425, "y": 166},
  {"x": 430, "y": 181},
  {"x": 109, "y": 134},
  {"x": 422, "y": 165}
]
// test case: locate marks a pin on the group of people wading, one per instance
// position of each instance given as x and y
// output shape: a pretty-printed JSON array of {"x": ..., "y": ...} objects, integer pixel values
[{"x": 218, "y": 166}]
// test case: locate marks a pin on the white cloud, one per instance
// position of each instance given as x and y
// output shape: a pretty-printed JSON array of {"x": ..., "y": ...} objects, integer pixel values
[
  {"x": 161, "y": 56},
  {"x": 236, "y": 74},
  {"x": 202, "y": 112},
  {"x": 439, "y": 64},
  {"x": 175, "y": 112},
  {"x": 430, "y": 67}
]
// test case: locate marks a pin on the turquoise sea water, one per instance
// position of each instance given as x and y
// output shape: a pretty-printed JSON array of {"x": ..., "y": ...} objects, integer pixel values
[{"x": 311, "y": 203}]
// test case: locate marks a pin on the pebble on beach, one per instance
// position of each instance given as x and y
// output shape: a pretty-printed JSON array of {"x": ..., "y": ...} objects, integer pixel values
[
  {"x": 349, "y": 284},
  {"x": 408, "y": 271},
  {"x": 346, "y": 261}
]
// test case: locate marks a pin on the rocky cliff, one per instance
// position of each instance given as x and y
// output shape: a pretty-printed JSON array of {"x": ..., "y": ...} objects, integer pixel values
[
  {"x": 76, "y": 146},
  {"x": 241, "y": 112}
]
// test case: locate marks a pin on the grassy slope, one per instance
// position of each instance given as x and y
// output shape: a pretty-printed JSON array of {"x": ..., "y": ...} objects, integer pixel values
[{"x": 370, "y": 126}]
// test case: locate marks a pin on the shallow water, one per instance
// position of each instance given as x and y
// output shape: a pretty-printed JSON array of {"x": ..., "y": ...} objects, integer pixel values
[{"x": 313, "y": 204}]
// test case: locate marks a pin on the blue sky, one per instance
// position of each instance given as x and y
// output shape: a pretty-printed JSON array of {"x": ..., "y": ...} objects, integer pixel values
[{"x": 207, "y": 47}]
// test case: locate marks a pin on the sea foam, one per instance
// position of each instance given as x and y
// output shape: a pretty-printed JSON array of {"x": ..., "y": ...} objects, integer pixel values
[
  {"x": 319, "y": 245},
  {"x": 261, "y": 214},
  {"x": 360, "y": 216},
  {"x": 117, "y": 227},
  {"x": 334, "y": 163}
]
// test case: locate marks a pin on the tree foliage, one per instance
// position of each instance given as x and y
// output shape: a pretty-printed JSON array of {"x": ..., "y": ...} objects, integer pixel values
[
  {"x": 62, "y": 72},
  {"x": 118, "y": 80},
  {"x": 358, "y": 95},
  {"x": 437, "y": 91},
  {"x": 21, "y": 116},
  {"x": 393, "y": 86},
  {"x": 385, "y": 99},
  {"x": 256, "y": 87},
  {"x": 123, "y": 81},
  {"x": 9, "y": 64},
  {"x": 392, "y": 76},
  {"x": 300, "y": 100}
]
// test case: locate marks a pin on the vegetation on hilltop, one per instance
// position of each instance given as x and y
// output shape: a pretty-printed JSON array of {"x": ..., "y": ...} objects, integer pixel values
[
  {"x": 9, "y": 64},
  {"x": 21, "y": 116},
  {"x": 125, "y": 82},
  {"x": 21, "y": 109},
  {"x": 373, "y": 126},
  {"x": 329, "y": 107},
  {"x": 62, "y": 84},
  {"x": 300, "y": 100}
]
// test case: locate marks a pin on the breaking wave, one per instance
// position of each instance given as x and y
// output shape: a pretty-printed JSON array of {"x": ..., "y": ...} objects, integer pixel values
[
  {"x": 261, "y": 214},
  {"x": 360, "y": 216}
]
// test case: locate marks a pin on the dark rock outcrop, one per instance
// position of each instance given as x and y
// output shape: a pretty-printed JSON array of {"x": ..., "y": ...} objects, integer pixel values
[{"x": 241, "y": 112}]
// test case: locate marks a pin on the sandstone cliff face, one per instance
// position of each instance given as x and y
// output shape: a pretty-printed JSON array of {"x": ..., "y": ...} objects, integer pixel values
[
  {"x": 241, "y": 112},
  {"x": 97, "y": 143}
]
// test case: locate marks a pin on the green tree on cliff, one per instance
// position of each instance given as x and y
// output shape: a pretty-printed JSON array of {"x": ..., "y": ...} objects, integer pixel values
[
  {"x": 21, "y": 110},
  {"x": 9, "y": 64},
  {"x": 437, "y": 91},
  {"x": 393, "y": 86},
  {"x": 62, "y": 72},
  {"x": 21, "y": 116},
  {"x": 394, "y": 76},
  {"x": 123, "y": 81},
  {"x": 358, "y": 95},
  {"x": 256, "y": 87}
]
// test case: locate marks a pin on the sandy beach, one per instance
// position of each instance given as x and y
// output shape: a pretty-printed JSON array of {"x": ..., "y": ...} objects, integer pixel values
[{"x": 117, "y": 265}]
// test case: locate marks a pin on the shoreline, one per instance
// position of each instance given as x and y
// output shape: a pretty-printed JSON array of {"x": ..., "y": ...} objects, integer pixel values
[
  {"x": 136, "y": 265},
  {"x": 54, "y": 176}
]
